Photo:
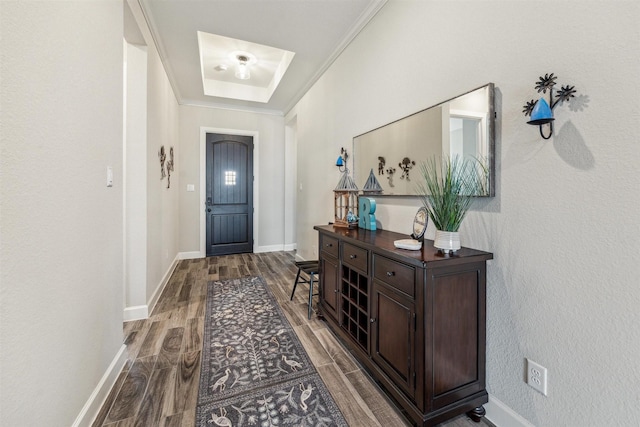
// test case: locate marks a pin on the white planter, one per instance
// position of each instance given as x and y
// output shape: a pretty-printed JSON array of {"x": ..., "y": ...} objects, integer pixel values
[{"x": 447, "y": 240}]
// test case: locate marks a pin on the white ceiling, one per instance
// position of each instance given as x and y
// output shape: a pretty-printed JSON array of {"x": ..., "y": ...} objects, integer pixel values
[{"x": 316, "y": 31}]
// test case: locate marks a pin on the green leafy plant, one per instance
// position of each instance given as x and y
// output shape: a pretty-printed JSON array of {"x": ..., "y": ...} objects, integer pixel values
[{"x": 448, "y": 188}]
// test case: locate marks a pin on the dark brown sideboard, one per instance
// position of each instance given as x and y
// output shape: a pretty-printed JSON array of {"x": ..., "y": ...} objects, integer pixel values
[{"x": 414, "y": 319}]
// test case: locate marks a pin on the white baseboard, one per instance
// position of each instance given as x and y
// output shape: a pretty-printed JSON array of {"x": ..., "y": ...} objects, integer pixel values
[
  {"x": 503, "y": 416},
  {"x": 136, "y": 312},
  {"x": 165, "y": 279},
  {"x": 190, "y": 255},
  {"x": 257, "y": 249},
  {"x": 276, "y": 248},
  {"x": 99, "y": 395},
  {"x": 270, "y": 248}
]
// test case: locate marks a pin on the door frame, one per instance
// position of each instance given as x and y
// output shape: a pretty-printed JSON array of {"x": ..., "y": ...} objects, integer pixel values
[{"x": 203, "y": 184}]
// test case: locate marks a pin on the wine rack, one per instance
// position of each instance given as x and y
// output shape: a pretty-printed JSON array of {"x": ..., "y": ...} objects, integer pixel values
[{"x": 355, "y": 305}]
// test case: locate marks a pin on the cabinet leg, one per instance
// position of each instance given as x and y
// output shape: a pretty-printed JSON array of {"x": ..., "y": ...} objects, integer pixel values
[{"x": 477, "y": 414}]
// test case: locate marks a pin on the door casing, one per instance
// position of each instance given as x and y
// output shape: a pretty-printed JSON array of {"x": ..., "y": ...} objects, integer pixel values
[{"x": 203, "y": 185}]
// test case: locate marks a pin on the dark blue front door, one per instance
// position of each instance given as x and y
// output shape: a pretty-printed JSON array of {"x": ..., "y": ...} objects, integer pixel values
[{"x": 229, "y": 194}]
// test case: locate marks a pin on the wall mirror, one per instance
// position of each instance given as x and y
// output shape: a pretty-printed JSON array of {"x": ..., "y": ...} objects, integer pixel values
[{"x": 463, "y": 126}]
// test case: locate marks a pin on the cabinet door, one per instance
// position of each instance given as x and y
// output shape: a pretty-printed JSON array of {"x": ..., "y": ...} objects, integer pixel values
[
  {"x": 329, "y": 285},
  {"x": 457, "y": 307},
  {"x": 393, "y": 323}
]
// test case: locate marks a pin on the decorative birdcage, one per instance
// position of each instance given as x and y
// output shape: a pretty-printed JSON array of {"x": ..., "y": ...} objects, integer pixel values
[
  {"x": 372, "y": 186},
  {"x": 346, "y": 202}
]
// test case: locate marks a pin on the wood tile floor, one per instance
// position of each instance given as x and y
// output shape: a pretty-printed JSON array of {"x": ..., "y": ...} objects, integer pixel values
[{"x": 159, "y": 383}]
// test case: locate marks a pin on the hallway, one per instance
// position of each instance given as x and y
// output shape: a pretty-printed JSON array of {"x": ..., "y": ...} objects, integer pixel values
[{"x": 159, "y": 384}]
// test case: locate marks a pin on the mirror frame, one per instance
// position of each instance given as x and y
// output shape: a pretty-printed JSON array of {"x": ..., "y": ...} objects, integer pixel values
[{"x": 491, "y": 140}]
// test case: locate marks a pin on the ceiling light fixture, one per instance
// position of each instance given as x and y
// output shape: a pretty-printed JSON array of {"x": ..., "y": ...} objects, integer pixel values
[{"x": 242, "y": 69}]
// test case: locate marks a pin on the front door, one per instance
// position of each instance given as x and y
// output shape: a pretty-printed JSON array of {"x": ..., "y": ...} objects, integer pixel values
[{"x": 229, "y": 194}]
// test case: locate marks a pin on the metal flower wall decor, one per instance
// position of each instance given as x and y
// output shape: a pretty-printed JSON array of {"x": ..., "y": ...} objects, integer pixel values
[
  {"x": 166, "y": 165},
  {"x": 381, "y": 163},
  {"x": 541, "y": 111},
  {"x": 406, "y": 165}
]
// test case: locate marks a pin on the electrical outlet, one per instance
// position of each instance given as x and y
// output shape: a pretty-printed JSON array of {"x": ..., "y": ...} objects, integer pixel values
[{"x": 537, "y": 376}]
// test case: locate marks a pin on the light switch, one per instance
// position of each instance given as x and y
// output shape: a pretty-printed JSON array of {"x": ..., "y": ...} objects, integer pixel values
[
  {"x": 109, "y": 176},
  {"x": 191, "y": 187}
]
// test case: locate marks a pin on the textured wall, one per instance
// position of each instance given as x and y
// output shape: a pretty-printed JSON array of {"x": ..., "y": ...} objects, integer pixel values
[
  {"x": 563, "y": 287},
  {"x": 61, "y": 289}
]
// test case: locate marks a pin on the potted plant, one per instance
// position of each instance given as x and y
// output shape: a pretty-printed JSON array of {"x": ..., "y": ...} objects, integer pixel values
[{"x": 447, "y": 190}]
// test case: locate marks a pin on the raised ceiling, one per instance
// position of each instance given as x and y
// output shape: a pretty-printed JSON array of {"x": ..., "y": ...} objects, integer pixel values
[{"x": 314, "y": 32}]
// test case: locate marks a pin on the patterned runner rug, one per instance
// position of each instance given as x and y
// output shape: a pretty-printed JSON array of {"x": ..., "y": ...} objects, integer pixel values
[{"x": 255, "y": 371}]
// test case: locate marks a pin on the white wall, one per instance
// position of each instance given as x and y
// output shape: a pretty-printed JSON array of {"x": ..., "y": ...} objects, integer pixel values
[
  {"x": 61, "y": 275},
  {"x": 135, "y": 180},
  {"x": 269, "y": 197},
  {"x": 152, "y": 209},
  {"x": 563, "y": 287},
  {"x": 290, "y": 174},
  {"x": 162, "y": 202}
]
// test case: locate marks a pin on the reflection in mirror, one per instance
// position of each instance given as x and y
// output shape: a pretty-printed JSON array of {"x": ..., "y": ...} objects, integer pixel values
[{"x": 462, "y": 126}]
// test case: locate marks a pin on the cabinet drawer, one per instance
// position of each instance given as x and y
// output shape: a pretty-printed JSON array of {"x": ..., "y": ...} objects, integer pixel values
[
  {"x": 396, "y": 274},
  {"x": 329, "y": 245},
  {"x": 355, "y": 257}
]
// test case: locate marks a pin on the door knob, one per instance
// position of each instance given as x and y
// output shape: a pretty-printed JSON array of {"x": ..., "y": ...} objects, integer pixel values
[{"x": 208, "y": 209}]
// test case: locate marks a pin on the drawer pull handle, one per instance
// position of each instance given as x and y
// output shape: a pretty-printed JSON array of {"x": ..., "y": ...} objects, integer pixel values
[
  {"x": 352, "y": 256},
  {"x": 373, "y": 320},
  {"x": 328, "y": 245},
  {"x": 391, "y": 273}
]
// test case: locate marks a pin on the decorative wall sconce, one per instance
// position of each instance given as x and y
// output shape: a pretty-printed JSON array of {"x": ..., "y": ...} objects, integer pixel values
[
  {"x": 341, "y": 162},
  {"x": 541, "y": 111}
]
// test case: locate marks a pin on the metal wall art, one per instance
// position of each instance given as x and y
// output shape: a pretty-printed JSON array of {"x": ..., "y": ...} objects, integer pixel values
[
  {"x": 541, "y": 111},
  {"x": 162, "y": 156},
  {"x": 166, "y": 165},
  {"x": 406, "y": 165},
  {"x": 381, "y": 163},
  {"x": 390, "y": 172}
]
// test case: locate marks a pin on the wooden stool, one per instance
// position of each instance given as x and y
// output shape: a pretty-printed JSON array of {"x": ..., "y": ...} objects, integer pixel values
[{"x": 311, "y": 269}]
